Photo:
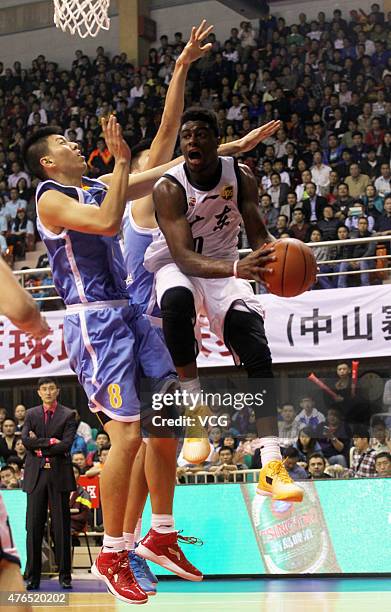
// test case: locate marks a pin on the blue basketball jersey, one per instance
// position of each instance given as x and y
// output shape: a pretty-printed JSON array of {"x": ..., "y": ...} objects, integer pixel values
[
  {"x": 85, "y": 267},
  {"x": 141, "y": 283}
]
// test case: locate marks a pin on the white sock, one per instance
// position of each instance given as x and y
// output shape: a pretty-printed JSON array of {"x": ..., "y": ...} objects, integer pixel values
[
  {"x": 137, "y": 531},
  {"x": 191, "y": 386},
  {"x": 163, "y": 523},
  {"x": 129, "y": 540},
  {"x": 111, "y": 544},
  {"x": 270, "y": 450}
]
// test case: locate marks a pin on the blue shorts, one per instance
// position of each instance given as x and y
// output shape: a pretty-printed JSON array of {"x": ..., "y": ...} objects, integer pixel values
[{"x": 110, "y": 348}]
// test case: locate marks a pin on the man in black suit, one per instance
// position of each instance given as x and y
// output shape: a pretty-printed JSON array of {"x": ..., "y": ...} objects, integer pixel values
[
  {"x": 278, "y": 191},
  {"x": 313, "y": 205},
  {"x": 48, "y": 433},
  {"x": 144, "y": 130}
]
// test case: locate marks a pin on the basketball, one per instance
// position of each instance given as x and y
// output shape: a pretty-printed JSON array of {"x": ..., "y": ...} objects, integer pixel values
[{"x": 294, "y": 270}]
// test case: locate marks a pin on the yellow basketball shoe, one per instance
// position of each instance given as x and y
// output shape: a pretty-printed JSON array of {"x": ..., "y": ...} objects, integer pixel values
[
  {"x": 196, "y": 446},
  {"x": 275, "y": 481}
]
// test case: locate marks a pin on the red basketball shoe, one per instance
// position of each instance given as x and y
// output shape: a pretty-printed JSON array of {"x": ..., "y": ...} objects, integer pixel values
[
  {"x": 113, "y": 569},
  {"x": 163, "y": 549}
]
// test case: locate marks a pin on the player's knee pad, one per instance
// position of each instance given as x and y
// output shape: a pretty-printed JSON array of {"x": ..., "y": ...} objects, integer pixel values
[
  {"x": 245, "y": 333},
  {"x": 179, "y": 316}
]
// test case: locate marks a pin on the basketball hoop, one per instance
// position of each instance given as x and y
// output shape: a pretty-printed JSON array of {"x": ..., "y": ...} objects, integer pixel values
[{"x": 84, "y": 17}]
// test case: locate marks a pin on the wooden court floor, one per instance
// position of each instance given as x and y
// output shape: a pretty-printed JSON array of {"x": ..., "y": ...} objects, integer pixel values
[{"x": 350, "y": 595}]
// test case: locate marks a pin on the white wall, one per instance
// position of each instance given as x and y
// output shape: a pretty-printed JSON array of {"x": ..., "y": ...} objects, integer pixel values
[
  {"x": 290, "y": 10},
  {"x": 181, "y": 18},
  {"x": 55, "y": 45},
  {"x": 61, "y": 47}
]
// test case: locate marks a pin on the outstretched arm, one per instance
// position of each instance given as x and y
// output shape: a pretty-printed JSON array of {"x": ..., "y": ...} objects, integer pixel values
[
  {"x": 162, "y": 147},
  {"x": 18, "y": 305},
  {"x": 140, "y": 185},
  {"x": 59, "y": 211},
  {"x": 170, "y": 209},
  {"x": 250, "y": 140}
]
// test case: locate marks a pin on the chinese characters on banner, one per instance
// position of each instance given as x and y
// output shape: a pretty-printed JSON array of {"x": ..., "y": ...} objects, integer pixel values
[
  {"x": 318, "y": 325},
  {"x": 91, "y": 485},
  {"x": 23, "y": 357}
]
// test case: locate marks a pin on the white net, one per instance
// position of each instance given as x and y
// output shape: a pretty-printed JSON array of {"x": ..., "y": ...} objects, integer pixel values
[{"x": 84, "y": 17}]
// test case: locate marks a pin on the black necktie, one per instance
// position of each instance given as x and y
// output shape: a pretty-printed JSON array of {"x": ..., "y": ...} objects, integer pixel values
[{"x": 49, "y": 416}]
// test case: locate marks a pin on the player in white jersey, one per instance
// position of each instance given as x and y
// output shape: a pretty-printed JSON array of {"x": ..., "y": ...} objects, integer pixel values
[
  {"x": 139, "y": 230},
  {"x": 199, "y": 208}
]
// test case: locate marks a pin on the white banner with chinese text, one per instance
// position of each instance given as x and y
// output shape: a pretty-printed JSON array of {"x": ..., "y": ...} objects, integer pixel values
[{"x": 316, "y": 326}]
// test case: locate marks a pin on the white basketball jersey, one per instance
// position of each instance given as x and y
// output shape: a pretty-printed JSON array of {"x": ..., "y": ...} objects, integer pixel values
[{"x": 213, "y": 215}]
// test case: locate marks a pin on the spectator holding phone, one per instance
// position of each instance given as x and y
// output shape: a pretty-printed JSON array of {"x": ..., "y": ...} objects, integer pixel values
[
  {"x": 334, "y": 438},
  {"x": 355, "y": 212}
]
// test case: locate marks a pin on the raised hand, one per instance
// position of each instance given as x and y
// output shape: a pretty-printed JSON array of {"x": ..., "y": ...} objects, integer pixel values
[
  {"x": 253, "y": 138},
  {"x": 115, "y": 142},
  {"x": 194, "y": 49}
]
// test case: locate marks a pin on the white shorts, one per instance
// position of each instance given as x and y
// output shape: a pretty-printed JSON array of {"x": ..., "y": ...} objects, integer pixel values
[{"x": 213, "y": 297}]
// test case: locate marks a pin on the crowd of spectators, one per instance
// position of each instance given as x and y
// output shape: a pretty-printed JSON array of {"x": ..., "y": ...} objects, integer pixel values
[
  {"x": 316, "y": 442},
  {"x": 325, "y": 174},
  {"x": 329, "y": 440}
]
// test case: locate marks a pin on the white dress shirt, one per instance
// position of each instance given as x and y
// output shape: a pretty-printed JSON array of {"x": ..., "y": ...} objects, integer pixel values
[{"x": 321, "y": 175}]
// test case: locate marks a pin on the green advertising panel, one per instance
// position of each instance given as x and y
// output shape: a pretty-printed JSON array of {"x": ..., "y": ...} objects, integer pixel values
[
  {"x": 15, "y": 502},
  {"x": 342, "y": 526}
]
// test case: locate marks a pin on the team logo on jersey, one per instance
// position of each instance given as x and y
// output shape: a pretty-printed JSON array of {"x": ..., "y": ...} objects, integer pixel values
[
  {"x": 192, "y": 201},
  {"x": 227, "y": 192}
]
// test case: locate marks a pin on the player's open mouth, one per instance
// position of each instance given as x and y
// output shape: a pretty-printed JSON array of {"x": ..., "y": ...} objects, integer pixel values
[{"x": 194, "y": 156}]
